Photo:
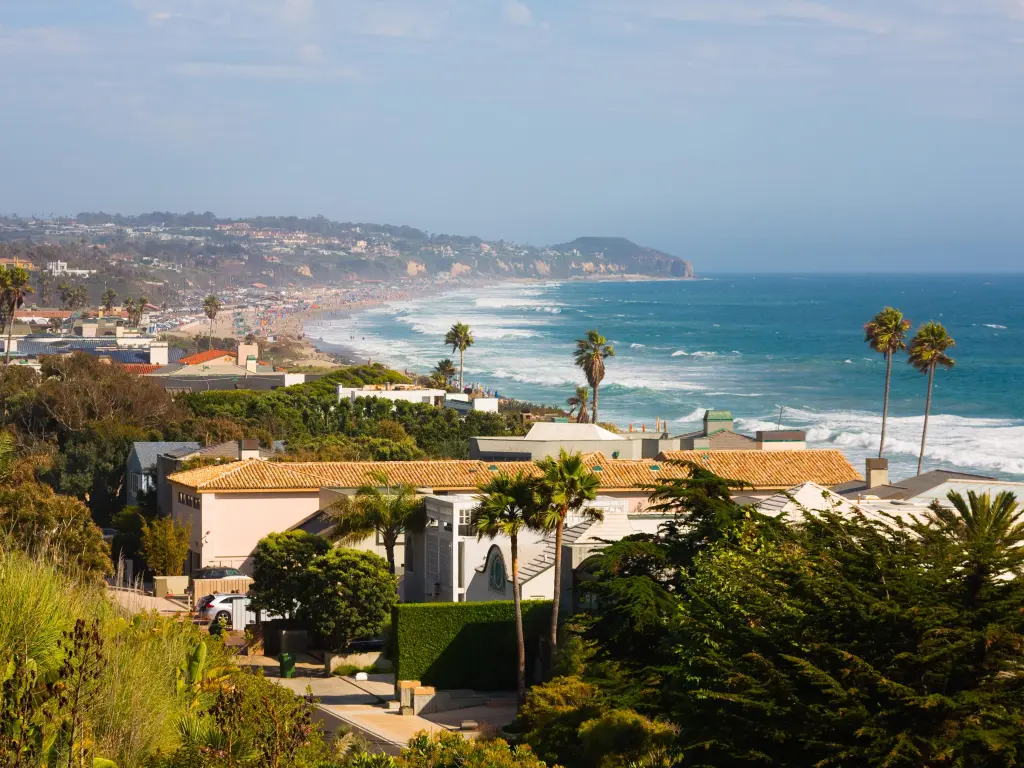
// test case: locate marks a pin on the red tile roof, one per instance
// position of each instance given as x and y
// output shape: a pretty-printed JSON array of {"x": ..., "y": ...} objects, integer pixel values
[
  {"x": 204, "y": 357},
  {"x": 140, "y": 369}
]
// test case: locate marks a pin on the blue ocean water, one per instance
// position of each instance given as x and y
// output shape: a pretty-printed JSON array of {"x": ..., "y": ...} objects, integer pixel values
[{"x": 749, "y": 343}]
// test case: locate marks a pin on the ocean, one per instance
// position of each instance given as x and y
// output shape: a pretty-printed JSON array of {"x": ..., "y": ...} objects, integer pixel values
[{"x": 772, "y": 349}]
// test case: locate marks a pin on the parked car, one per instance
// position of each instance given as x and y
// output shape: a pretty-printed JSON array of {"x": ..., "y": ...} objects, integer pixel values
[
  {"x": 217, "y": 573},
  {"x": 216, "y": 607}
]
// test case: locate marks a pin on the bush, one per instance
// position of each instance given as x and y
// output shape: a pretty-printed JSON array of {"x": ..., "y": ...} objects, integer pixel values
[
  {"x": 165, "y": 546},
  {"x": 450, "y": 750},
  {"x": 278, "y": 569},
  {"x": 465, "y": 645}
]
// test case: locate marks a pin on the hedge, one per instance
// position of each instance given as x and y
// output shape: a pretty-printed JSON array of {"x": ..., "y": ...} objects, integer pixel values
[{"x": 467, "y": 645}]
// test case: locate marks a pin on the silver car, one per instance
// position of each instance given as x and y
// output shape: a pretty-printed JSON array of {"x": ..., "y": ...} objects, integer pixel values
[{"x": 216, "y": 607}]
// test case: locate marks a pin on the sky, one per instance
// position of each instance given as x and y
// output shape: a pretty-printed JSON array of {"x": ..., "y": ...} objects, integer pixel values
[{"x": 760, "y": 135}]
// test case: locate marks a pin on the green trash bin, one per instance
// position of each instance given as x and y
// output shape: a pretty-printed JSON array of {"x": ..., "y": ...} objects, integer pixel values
[{"x": 287, "y": 664}]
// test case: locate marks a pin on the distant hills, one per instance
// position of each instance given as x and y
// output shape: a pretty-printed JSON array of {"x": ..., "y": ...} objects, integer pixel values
[{"x": 621, "y": 255}]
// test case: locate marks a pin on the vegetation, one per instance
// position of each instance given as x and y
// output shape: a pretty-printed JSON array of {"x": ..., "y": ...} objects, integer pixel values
[
  {"x": 108, "y": 299},
  {"x": 165, "y": 546},
  {"x": 211, "y": 306},
  {"x": 591, "y": 352},
  {"x": 14, "y": 287},
  {"x": 927, "y": 352},
  {"x": 564, "y": 488},
  {"x": 445, "y": 371},
  {"x": 463, "y": 645},
  {"x": 579, "y": 401},
  {"x": 380, "y": 507},
  {"x": 886, "y": 332},
  {"x": 460, "y": 338}
]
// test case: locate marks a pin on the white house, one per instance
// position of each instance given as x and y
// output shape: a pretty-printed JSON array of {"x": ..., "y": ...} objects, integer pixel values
[{"x": 393, "y": 392}]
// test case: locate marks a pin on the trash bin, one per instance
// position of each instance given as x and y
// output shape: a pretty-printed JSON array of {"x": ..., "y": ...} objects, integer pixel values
[{"x": 287, "y": 664}]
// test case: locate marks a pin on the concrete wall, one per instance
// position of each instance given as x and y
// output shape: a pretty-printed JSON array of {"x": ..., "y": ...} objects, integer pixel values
[{"x": 227, "y": 528}]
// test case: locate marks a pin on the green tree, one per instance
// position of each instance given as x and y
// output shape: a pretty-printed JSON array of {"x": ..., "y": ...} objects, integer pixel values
[
  {"x": 165, "y": 546},
  {"x": 927, "y": 352},
  {"x": 591, "y": 352},
  {"x": 445, "y": 369},
  {"x": 279, "y": 565},
  {"x": 211, "y": 306},
  {"x": 886, "y": 332},
  {"x": 43, "y": 285},
  {"x": 505, "y": 506},
  {"x": 460, "y": 338},
  {"x": 380, "y": 507},
  {"x": 14, "y": 287},
  {"x": 108, "y": 299},
  {"x": 347, "y": 595},
  {"x": 129, "y": 308},
  {"x": 565, "y": 488},
  {"x": 580, "y": 400}
]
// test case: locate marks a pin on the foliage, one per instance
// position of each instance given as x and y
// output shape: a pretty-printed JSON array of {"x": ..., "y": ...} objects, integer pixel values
[
  {"x": 450, "y": 750},
  {"x": 279, "y": 570},
  {"x": 380, "y": 507},
  {"x": 886, "y": 332},
  {"x": 459, "y": 338},
  {"x": 591, "y": 352},
  {"x": 165, "y": 546},
  {"x": 347, "y": 595},
  {"x": 463, "y": 645},
  {"x": 927, "y": 351}
]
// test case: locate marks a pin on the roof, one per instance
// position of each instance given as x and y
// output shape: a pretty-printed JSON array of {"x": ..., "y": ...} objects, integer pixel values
[
  {"x": 810, "y": 497},
  {"x": 205, "y": 357},
  {"x": 548, "y": 430},
  {"x": 773, "y": 469},
  {"x": 912, "y": 486},
  {"x": 248, "y": 475},
  {"x": 147, "y": 452},
  {"x": 722, "y": 440},
  {"x": 139, "y": 369},
  {"x": 718, "y": 415}
]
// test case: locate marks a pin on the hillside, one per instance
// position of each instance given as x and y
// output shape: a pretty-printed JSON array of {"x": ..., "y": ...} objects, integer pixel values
[{"x": 617, "y": 254}]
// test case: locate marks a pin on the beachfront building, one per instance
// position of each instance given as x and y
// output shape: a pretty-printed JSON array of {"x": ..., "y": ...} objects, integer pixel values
[
  {"x": 409, "y": 393},
  {"x": 232, "y": 506}
]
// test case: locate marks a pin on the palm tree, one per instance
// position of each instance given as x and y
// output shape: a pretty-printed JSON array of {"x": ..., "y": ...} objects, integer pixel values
[
  {"x": 129, "y": 308},
  {"x": 378, "y": 506},
  {"x": 65, "y": 291},
  {"x": 14, "y": 287},
  {"x": 43, "y": 284},
  {"x": 927, "y": 352},
  {"x": 886, "y": 332},
  {"x": 211, "y": 306},
  {"x": 109, "y": 297},
  {"x": 990, "y": 530},
  {"x": 140, "y": 307},
  {"x": 583, "y": 398},
  {"x": 460, "y": 338},
  {"x": 591, "y": 353},
  {"x": 565, "y": 487},
  {"x": 505, "y": 506},
  {"x": 446, "y": 370}
]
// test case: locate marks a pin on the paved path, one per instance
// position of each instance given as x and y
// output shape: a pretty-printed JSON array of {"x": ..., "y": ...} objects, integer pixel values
[{"x": 361, "y": 705}]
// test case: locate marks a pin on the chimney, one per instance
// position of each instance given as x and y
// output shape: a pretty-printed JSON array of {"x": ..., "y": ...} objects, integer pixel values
[
  {"x": 876, "y": 472},
  {"x": 717, "y": 421},
  {"x": 248, "y": 449},
  {"x": 158, "y": 353}
]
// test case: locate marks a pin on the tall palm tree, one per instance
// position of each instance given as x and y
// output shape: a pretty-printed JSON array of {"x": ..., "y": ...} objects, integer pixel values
[
  {"x": 43, "y": 284},
  {"x": 14, "y": 287},
  {"x": 64, "y": 291},
  {"x": 109, "y": 297},
  {"x": 990, "y": 530},
  {"x": 460, "y": 338},
  {"x": 129, "y": 308},
  {"x": 564, "y": 488},
  {"x": 377, "y": 507},
  {"x": 886, "y": 332},
  {"x": 505, "y": 506},
  {"x": 590, "y": 355},
  {"x": 211, "y": 306},
  {"x": 927, "y": 352},
  {"x": 140, "y": 307},
  {"x": 583, "y": 397},
  {"x": 446, "y": 370}
]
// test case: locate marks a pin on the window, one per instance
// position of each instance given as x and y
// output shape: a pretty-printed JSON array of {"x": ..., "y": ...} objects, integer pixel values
[
  {"x": 195, "y": 502},
  {"x": 496, "y": 574}
]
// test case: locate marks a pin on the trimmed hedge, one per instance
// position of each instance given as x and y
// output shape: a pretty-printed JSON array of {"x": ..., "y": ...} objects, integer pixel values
[{"x": 466, "y": 645}]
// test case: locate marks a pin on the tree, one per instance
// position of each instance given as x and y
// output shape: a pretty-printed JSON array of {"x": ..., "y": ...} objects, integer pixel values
[
  {"x": 64, "y": 291},
  {"x": 165, "y": 545},
  {"x": 14, "y": 287},
  {"x": 108, "y": 299},
  {"x": 347, "y": 595},
  {"x": 505, "y": 506},
  {"x": 460, "y": 338},
  {"x": 565, "y": 487},
  {"x": 927, "y": 352},
  {"x": 278, "y": 571},
  {"x": 446, "y": 370},
  {"x": 43, "y": 285},
  {"x": 590, "y": 355},
  {"x": 448, "y": 750},
  {"x": 580, "y": 400},
  {"x": 886, "y": 332},
  {"x": 140, "y": 308},
  {"x": 380, "y": 507},
  {"x": 211, "y": 306}
]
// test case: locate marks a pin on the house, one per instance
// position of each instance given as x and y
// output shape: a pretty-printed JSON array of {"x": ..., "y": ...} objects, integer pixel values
[
  {"x": 408, "y": 393},
  {"x": 928, "y": 485},
  {"x": 171, "y": 461},
  {"x": 466, "y": 404},
  {"x": 140, "y": 467},
  {"x": 210, "y": 357}
]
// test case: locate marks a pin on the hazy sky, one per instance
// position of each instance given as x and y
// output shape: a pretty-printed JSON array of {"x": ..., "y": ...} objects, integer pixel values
[{"x": 763, "y": 134}]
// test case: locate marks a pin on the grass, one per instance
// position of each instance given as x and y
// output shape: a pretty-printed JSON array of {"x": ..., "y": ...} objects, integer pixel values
[{"x": 347, "y": 670}]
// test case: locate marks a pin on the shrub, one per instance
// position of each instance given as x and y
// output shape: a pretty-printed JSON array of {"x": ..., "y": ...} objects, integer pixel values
[
  {"x": 465, "y": 645},
  {"x": 278, "y": 569},
  {"x": 165, "y": 546},
  {"x": 450, "y": 750}
]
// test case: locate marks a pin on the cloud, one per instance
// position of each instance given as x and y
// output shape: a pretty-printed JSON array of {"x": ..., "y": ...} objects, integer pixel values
[
  {"x": 398, "y": 22},
  {"x": 211, "y": 69},
  {"x": 52, "y": 41},
  {"x": 767, "y": 12},
  {"x": 515, "y": 12}
]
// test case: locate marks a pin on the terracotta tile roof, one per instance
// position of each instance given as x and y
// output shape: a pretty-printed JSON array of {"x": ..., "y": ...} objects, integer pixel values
[
  {"x": 760, "y": 469},
  {"x": 140, "y": 369},
  {"x": 204, "y": 357},
  {"x": 774, "y": 469}
]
